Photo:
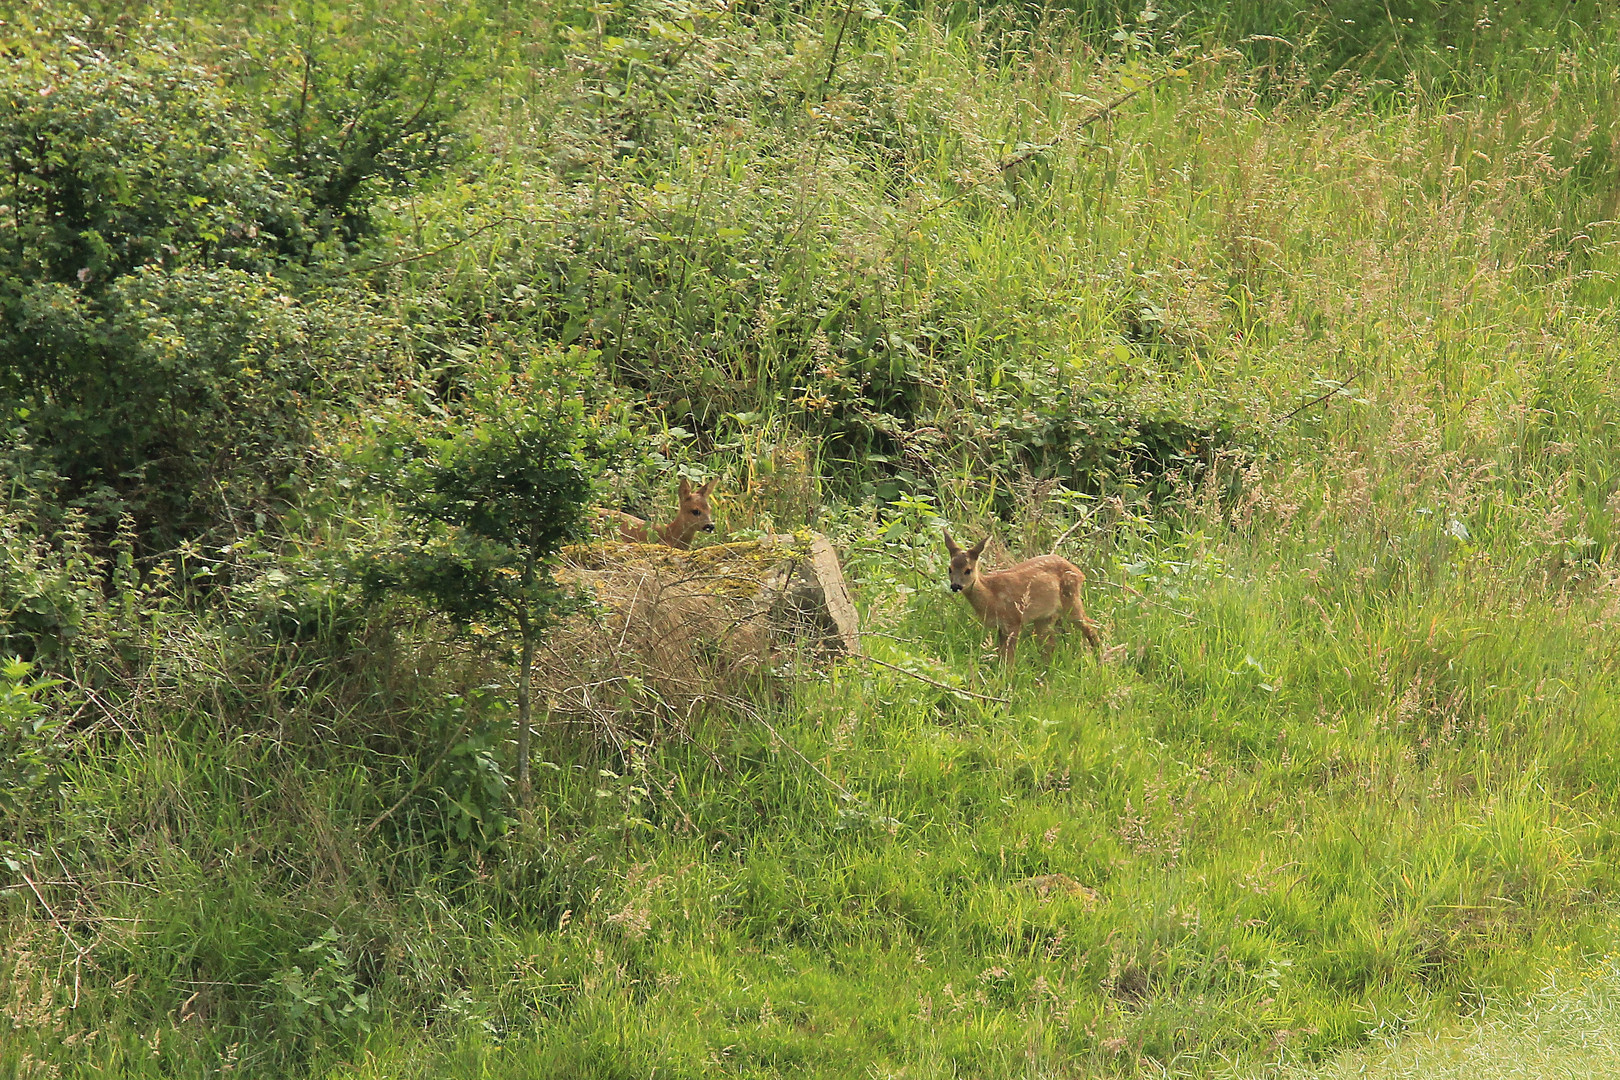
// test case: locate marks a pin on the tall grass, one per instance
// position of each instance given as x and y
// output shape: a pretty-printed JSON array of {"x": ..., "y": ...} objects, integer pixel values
[
  {"x": 1141, "y": 289},
  {"x": 1564, "y": 1031},
  {"x": 1327, "y": 369}
]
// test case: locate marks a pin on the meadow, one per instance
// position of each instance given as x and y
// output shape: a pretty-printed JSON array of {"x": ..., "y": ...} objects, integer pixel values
[{"x": 1295, "y": 329}]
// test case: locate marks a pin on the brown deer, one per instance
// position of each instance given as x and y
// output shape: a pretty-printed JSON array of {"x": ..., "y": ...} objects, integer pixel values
[
  {"x": 692, "y": 518},
  {"x": 1038, "y": 592}
]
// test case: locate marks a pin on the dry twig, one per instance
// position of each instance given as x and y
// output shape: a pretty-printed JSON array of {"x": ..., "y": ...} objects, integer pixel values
[
  {"x": 935, "y": 682},
  {"x": 67, "y": 935}
]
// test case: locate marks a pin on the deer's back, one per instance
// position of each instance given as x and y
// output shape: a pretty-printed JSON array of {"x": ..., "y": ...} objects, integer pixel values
[
  {"x": 630, "y": 527},
  {"x": 1052, "y": 568},
  {"x": 1032, "y": 589}
]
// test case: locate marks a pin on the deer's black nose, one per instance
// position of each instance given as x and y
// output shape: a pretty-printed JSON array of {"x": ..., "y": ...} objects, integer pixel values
[
  {"x": 955, "y": 587},
  {"x": 709, "y": 527}
]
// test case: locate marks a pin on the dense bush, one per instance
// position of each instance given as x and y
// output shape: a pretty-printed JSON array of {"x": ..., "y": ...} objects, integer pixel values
[
  {"x": 354, "y": 102},
  {"x": 740, "y": 237},
  {"x": 169, "y": 335},
  {"x": 143, "y": 350},
  {"x": 1348, "y": 760}
]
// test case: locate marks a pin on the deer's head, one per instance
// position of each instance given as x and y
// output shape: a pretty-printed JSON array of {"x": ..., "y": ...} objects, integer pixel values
[
  {"x": 964, "y": 563},
  {"x": 694, "y": 515}
]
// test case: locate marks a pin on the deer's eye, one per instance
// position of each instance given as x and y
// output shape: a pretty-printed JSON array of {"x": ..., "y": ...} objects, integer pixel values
[{"x": 697, "y": 513}]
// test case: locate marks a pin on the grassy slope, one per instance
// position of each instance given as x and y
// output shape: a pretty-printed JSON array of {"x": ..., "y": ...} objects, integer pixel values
[
  {"x": 1562, "y": 1033},
  {"x": 1351, "y": 766}
]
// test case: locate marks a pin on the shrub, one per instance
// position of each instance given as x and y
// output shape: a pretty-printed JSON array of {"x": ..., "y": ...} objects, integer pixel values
[
  {"x": 28, "y": 733},
  {"x": 370, "y": 111},
  {"x": 164, "y": 343},
  {"x": 491, "y": 492},
  {"x": 142, "y": 346}
]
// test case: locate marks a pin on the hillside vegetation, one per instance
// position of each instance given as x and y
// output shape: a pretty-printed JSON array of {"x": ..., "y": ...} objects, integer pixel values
[
  {"x": 1565, "y": 1031},
  {"x": 323, "y": 325}
]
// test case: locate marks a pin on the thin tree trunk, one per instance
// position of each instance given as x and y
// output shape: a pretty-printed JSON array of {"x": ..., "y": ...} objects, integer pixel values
[
  {"x": 524, "y": 715},
  {"x": 527, "y": 629}
]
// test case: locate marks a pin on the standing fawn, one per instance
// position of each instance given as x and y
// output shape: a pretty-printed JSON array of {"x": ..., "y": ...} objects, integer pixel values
[
  {"x": 1038, "y": 592},
  {"x": 692, "y": 518}
]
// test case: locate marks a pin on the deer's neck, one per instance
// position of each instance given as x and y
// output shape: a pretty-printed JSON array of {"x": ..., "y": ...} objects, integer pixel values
[
  {"x": 676, "y": 534},
  {"x": 981, "y": 599}
]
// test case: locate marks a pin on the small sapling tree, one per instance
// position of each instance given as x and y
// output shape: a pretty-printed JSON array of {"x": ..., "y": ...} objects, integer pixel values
[{"x": 490, "y": 489}]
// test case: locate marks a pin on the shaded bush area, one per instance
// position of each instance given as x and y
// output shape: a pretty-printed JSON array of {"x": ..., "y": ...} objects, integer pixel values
[
  {"x": 140, "y": 339},
  {"x": 150, "y": 358},
  {"x": 174, "y": 316},
  {"x": 740, "y": 237},
  {"x": 321, "y": 325}
]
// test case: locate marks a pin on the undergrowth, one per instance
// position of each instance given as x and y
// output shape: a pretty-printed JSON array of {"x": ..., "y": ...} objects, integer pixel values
[{"x": 1300, "y": 344}]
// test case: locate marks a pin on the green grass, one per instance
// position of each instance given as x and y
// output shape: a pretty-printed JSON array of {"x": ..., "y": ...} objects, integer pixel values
[
  {"x": 1346, "y": 770},
  {"x": 1270, "y": 827},
  {"x": 1563, "y": 1032}
]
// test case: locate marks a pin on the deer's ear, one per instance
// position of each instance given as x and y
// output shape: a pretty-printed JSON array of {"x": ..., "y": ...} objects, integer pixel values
[
  {"x": 706, "y": 488},
  {"x": 686, "y": 487},
  {"x": 950, "y": 546},
  {"x": 978, "y": 549}
]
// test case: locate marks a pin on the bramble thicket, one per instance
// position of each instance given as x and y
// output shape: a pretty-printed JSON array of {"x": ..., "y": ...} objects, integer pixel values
[{"x": 323, "y": 328}]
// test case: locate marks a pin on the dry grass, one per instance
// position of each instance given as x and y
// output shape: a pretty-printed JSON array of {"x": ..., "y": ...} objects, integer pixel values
[
  {"x": 1565, "y": 1032},
  {"x": 674, "y": 632}
]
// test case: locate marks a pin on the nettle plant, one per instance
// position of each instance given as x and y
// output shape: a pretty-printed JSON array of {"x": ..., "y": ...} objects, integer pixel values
[{"x": 490, "y": 490}]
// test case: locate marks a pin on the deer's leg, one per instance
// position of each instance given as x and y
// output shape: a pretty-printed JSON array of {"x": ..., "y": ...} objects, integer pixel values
[
  {"x": 1052, "y": 627},
  {"x": 1007, "y": 643},
  {"x": 1089, "y": 628},
  {"x": 1077, "y": 611}
]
